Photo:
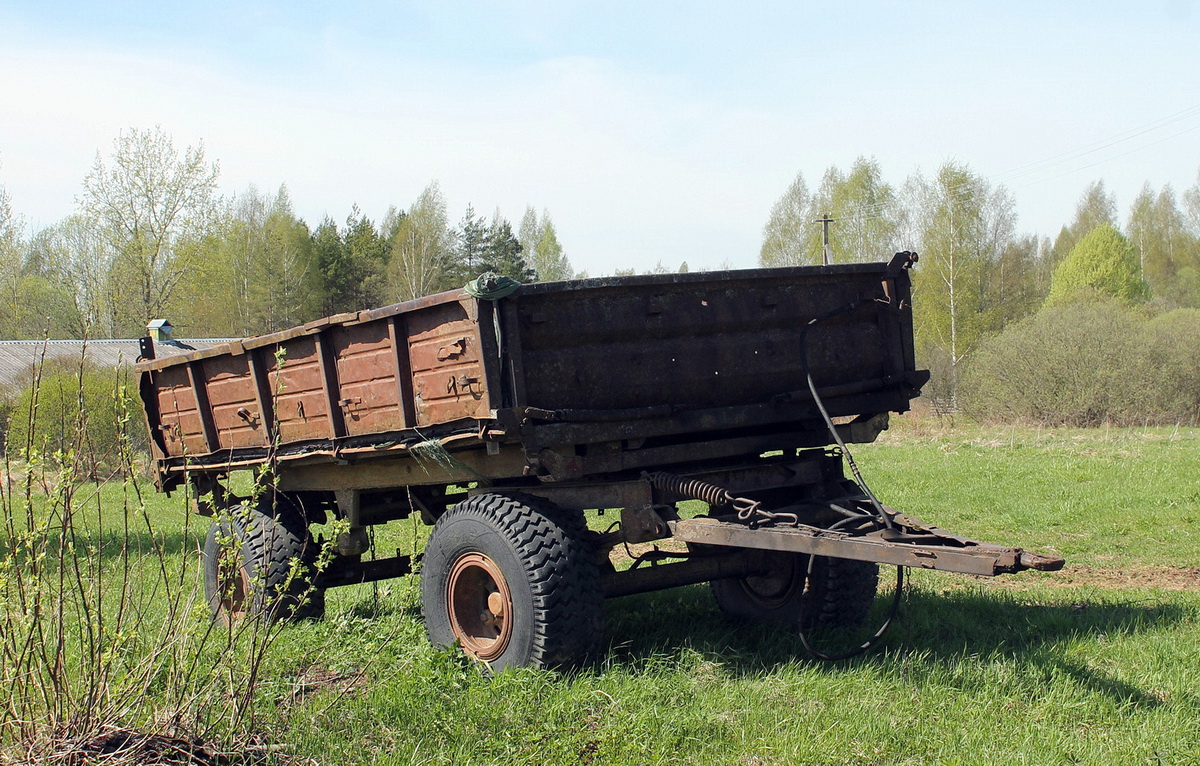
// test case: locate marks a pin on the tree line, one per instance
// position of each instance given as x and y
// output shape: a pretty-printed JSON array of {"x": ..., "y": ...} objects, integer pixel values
[
  {"x": 151, "y": 238},
  {"x": 978, "y": 274}
]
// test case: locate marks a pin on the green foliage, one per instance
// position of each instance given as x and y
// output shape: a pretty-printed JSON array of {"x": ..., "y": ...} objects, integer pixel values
[
  {"x": 1087, "y": 363},
  {"x": 541, "y": 249},
  {"x": 788, "y": 239},
  {"x": 504, "y": 254},
  {"x": 327, "y": 278},
  {"x": 864, "y": 210},
  {"x": 1103, "y": 262},
  {"x": 963, "y": 226},
  {"x": 469, "y": 253},
  {"x": 73, "y": 413},
  {"x": 1167, "y": 249},
  {"x": 1096, "y": 208},
  {"x": 550, "y": 262},
  {"x": 1013, "y": 286},
  {"x": 421, "y": 248},
  {"x": 258, "y": 275},
  {"x": 1172, "y": 349},
  {"x": 344, "y": 270},
  {"x": 43, "y": 309},
  {"x": 10, "y": 265}
]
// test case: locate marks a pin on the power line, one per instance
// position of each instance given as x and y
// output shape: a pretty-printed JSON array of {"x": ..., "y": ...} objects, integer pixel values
[{"x": 866, "y": 213}]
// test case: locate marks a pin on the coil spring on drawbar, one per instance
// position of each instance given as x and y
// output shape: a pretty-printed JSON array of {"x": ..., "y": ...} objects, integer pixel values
[
  {"x": 749, "y": 511},
  {"x": 694, "y": 489}
]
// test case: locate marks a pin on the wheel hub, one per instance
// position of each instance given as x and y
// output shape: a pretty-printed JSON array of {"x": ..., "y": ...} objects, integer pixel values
[
  {"x": 479, "y": 605},
  {"x": 777, "y": 586}
]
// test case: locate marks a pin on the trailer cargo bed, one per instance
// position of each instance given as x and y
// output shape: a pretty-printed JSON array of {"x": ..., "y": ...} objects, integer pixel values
[{"x": 556, "y": 367}]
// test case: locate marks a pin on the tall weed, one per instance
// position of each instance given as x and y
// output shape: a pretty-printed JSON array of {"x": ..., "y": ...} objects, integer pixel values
[{"x": 104, "y": 625}]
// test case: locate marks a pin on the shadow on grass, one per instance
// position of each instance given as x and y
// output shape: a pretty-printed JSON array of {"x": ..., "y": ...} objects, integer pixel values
[{"x": 932, "y": 629}]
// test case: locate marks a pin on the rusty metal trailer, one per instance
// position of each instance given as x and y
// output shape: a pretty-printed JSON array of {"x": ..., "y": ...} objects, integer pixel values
[{"x": 503, "y": 418}]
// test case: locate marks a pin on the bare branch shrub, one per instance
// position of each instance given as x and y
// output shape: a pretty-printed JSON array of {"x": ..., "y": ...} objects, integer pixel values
[
  {"x": 1088, "y": 363},
  {"x": 104, "y": 625}
]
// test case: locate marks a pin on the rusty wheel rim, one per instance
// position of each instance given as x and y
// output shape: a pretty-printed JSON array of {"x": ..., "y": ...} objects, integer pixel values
[
  {"x": 480, "y": 606},
  {"x": 233, "y": 583}
]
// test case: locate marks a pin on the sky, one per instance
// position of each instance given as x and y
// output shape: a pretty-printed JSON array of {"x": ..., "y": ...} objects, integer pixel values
[{"x": 652, "y": 132}]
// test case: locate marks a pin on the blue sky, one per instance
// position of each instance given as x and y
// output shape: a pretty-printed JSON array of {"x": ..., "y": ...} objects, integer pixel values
[{"x": 650, "y": 131}]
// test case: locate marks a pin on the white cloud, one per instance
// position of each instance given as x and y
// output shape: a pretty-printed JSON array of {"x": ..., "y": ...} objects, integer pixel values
[{"x": 637, "y": 161}]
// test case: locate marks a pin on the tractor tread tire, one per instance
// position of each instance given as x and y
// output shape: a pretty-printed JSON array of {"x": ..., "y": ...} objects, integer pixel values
[
  {"x": 552, "y": 564},
  {"x": 839, "y": 593},
  {"x": 269, "y": 537}
]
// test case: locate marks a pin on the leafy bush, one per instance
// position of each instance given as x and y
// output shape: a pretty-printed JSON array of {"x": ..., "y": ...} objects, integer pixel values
[
  {"x": 1104, "y": 261},
  {"x": 1088, "y": 363},
  {"x": 73, "y": 412},
  {"x": 1173, "y": 355}
]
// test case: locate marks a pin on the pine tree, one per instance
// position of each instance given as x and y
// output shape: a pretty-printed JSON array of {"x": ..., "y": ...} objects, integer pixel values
[
  {"x": 503, "y": 252},
  {"x": 328, "y": 278},
  {"x": 470, "y": 254}
]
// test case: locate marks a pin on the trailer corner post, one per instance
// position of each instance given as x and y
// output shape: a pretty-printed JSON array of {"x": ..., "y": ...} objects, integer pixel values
[{"x": 354, "y": 541}]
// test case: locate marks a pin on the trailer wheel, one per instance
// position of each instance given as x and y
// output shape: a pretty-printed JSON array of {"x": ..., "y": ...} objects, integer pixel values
[
  {"x": 839, "y": 592},
  {"x": 513, "y": 580},
  {"x": 258, "y": 561}
]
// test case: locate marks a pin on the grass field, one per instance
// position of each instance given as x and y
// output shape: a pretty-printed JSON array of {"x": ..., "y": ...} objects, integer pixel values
[{"x": 1094, "y": 664}]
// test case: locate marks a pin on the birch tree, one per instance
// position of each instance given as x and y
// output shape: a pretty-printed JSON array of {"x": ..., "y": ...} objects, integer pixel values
[
  {"x": 153, "y": 206},
  {"x": 10, "y": 263},
  {"x": 962, "y": 226},
  {"x": 865, "y": 212},
  {"x": 421, "y": 248},
  {"x": 1168, "y": 253},
  {"x": 788, "y": 233},
  {"x": 541, "y": 248}
]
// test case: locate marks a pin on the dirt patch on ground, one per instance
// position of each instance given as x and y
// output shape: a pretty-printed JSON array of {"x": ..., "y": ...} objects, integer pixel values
[
  {"x": 319, "y": 678},
  {"x": 122, "y": 747},
  {"x": 1132, "y": 577},
  {"x": 1116, "y": 578}
]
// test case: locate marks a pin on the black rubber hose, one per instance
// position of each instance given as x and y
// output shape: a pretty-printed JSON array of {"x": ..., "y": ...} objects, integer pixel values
[
  {"x": 893, "y": 610},
  {"x": 880, "y": 512},
  {"x": 884, "y": 518}
]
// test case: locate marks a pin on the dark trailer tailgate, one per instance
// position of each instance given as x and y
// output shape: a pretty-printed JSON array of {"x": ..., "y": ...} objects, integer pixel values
[{"x": 709, "y": 351}]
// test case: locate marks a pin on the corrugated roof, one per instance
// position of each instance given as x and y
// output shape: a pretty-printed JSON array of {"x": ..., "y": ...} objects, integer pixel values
[{"x": 19, "y": 357}]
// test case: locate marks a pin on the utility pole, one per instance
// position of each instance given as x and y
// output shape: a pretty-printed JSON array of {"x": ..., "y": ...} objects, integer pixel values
[{"x": 825, "y": 256}]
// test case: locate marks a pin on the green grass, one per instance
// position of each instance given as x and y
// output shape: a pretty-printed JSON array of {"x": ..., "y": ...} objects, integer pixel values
[
  {"x": 1102, "y": 497},
  {"x": 1036, "y": 668}
]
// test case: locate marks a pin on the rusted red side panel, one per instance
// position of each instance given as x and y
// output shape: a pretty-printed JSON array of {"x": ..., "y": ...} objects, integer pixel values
[
  {"x": 353, "y": 375},
  {"x": 230, "y": 390},
  {"x": 366, "y": 370},
  {"x": 295, "y": 380},
  {"x": 179, "y": 416},
  {"x": 447, "y": 364}
]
